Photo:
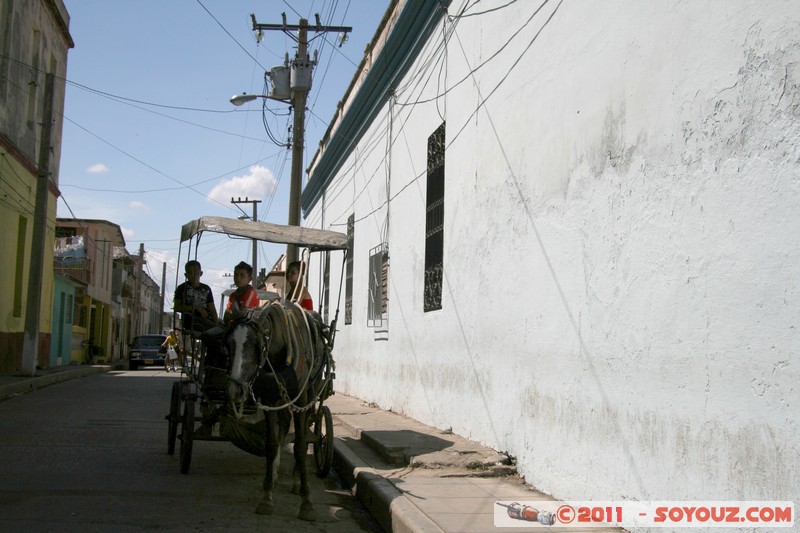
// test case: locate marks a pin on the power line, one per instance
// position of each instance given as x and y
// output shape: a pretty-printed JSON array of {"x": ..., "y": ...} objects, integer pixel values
[
  {"x": 190, "y": 187},
  {"x": 231, "y": 36},
  {"x": 468, "y": 119},
  {"x": 116, "y": 96},
  {"x": 165, "y": 189},
  {"x": 143, "y": 163},
  {"x": 486, "y": 61}
]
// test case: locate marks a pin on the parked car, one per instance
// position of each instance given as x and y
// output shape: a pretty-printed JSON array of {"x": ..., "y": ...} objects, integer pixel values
[{"x": 146, "y": 350}]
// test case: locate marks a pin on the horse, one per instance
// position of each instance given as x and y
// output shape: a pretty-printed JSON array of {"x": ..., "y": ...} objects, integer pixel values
[{"x": 277, "y": 355}]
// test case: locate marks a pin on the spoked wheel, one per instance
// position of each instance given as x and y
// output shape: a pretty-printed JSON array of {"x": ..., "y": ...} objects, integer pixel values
[
  {"x": 174, "y": 417},
  {"x": 323, "y": 440},
  {"x": 186, "y": 435}
]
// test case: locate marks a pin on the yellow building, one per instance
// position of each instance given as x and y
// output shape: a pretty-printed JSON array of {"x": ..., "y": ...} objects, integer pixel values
[{"x": 34, "y": 41}]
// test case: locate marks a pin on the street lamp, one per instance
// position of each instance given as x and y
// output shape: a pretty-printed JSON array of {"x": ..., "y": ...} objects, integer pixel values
[{"x": 240, "y": 99}]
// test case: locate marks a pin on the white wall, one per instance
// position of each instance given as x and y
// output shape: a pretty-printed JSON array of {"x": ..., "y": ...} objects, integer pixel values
[{"x": 621, "y": 302}]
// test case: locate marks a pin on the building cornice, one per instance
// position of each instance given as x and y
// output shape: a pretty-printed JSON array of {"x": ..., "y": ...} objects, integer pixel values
[
  {"x": 61, "y": 22},
  {"x": 17, "y": 154},
  {"x": 417, "y": 20}
]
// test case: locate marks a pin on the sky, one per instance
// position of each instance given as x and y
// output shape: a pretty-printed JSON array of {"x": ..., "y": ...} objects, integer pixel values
[{"x": 150, "y": 139}]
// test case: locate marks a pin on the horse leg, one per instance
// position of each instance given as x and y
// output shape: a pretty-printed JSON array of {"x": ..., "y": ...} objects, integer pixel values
[
  {"x": 307, "y": 511},
  {"x": 273, "y": 449}
]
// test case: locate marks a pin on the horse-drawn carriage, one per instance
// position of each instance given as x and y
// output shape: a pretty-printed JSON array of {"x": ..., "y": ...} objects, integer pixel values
[{"x": 279, "y": 368}]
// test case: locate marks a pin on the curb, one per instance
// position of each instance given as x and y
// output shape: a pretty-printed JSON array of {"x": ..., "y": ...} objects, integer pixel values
[
  {"x": 385, "y": 502},
  {"x": 37, "y": 382}
]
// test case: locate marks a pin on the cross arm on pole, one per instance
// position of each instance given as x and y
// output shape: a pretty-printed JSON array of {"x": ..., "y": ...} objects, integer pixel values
[{"x": 297, "y": 27}]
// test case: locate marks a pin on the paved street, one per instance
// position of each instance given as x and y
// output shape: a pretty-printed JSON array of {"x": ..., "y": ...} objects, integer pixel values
[{"x": 89, "y": 454}]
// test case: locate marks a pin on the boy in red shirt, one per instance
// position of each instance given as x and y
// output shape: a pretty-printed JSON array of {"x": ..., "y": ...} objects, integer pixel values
[
  {"x": 216, "y": 364},
  {"x": 245, "y": 296}
]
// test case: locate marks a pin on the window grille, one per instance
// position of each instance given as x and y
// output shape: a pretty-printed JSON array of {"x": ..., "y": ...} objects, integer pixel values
[
  {"x": 378, "y": 294},
  {"x": 348, "y": 293},
  {"x": 68, "y": 309},
  {"x": 434, "y": 221},
  {"x": 326, "y": 287},
  {"x": 80, "y": 310}
]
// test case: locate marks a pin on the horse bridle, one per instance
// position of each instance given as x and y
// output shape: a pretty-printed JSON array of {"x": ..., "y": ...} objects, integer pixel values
[{"x": 247, "y": 320}]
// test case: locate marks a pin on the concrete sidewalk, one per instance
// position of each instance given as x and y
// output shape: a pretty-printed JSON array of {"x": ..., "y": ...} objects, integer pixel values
[
  {"x": 415, "y": 478},
  {"x": 410, "y": 477},
  {"x": 15, "y": 383}
]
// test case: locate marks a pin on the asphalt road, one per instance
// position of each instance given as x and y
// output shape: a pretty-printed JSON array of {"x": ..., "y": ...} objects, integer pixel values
[{"x": 91, "y": 455}]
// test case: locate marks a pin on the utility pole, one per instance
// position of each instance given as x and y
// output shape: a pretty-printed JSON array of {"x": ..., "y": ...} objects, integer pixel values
[
  {"x": 137, "y": 297},
  {"x": 163, "y": 290},
  {"x": 255, "y": 219},
  {"x": 30, "y": 343},
  {"x": 301, "y": 68}
]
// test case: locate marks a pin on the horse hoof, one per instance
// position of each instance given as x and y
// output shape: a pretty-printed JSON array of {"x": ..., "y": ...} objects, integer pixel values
[
  {"x": 265, "y": 508},
  {"x": 307, "y": 512}
]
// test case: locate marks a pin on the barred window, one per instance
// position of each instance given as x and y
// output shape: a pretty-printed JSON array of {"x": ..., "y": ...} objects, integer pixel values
[
  {"x": 69, "y": 309},
  {"x": 434, "y": 222},
  {"x": 326, "y": 286},
  {"x": 378, "y": 295},
  {"x": 79, "y": 310},
  {"x": 348, "y": 291}
]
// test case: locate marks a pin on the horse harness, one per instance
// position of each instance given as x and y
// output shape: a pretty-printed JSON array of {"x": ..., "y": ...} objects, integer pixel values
[{"x": 291, "y": 325}]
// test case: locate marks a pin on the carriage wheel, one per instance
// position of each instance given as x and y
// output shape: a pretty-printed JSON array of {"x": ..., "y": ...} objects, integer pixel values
[
  {"x": 186, "y": 435},
  {"x": 174, "y": 417},
  {"x": 323, "y": 440}
]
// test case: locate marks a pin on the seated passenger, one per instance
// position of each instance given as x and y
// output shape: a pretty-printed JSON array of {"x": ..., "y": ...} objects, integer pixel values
[
  {"x": 292, "y": 277},
  {"x": 245, "y": 296},
  {"x": 194, "y": 301}
]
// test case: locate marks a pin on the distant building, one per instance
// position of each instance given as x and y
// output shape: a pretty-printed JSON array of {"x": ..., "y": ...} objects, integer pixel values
[
  {"x": 574, "y": 238},
  {"x": 34, "y": 41},
  {"x": 107, "y": 314},
  {"x": 84, "y": 254}
]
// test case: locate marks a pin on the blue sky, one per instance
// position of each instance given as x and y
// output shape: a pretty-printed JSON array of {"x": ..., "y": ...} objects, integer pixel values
[{"x": 150, "y": 140}]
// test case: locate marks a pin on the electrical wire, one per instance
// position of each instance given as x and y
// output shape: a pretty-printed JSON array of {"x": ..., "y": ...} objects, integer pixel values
[
  {"x": 466, "y": 8},
  {"x": 429, "y": 62},
  {"x": 166, "y": 189},
  {"x": 191, "y": 188},
  {"x": 468, "y": 119},
  {"x": 157, "y": 171},
  {"x": 231, "y": 36},
  {"x": 486, "y": 61}
]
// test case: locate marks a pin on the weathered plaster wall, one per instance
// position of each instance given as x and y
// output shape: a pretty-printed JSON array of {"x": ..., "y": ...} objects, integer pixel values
[
  {"x": 621, "y": 299},
  {"x": 32, "y": 43}
]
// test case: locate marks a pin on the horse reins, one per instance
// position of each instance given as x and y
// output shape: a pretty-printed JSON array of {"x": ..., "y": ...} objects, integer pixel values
[{"x": 264, "y": 359}]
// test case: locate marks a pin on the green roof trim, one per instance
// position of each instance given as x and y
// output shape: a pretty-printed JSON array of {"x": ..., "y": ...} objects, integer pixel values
[{"x": 414, "y": 25}]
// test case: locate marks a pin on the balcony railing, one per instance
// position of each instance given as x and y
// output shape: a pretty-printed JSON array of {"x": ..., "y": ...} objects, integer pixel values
[{"x": 80, "y": 271}]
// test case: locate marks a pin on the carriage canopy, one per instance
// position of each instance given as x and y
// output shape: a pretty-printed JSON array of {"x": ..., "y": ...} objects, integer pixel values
[{"x": 315, "y": 239}]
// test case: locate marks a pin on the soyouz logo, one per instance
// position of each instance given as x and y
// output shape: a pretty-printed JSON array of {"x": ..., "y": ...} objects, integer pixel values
[{"x": 668, "y": 514}]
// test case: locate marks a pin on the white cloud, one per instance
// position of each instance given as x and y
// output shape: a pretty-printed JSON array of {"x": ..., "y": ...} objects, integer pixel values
[
  {"x": 136, "y": 204},
  {"x": 256, "y": 185},
  {"x": 97, "y": 168},
  {"x": 128, "y": 233}
]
